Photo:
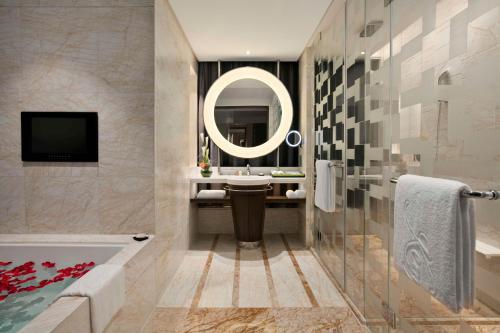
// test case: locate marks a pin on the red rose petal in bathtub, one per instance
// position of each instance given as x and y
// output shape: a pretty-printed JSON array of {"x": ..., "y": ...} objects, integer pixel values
[
  {"x": 3, "y": 297},
  {"x": 58, "y": 279},
  {"x": 14, "y": 289},
  {"x": 48, "y": 264},
  {"x": 5, "y": 263},
  {"x": 65, "y": 271},
  {"x": 79, "y": 274},
  {"x": 30, "y": 288},
  {"x": 43, "y": 283},
  {"x": 80, "y": 267}
]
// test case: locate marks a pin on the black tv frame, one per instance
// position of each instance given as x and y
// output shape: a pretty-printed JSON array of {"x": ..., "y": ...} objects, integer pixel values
[{"x": 92, "y": 138}]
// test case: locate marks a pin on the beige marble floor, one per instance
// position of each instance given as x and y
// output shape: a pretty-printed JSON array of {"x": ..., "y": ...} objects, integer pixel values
[{"x": 279, "y": 287}]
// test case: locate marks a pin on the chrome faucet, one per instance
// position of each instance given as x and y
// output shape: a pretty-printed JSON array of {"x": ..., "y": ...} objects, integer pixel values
[{"x": 248, "y": 169}]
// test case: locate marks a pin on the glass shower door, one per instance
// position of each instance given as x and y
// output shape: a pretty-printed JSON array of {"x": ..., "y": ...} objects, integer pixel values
[
  {"x": 375, "y": 136},
  {"x": 355, "y": 153},
  {"x": 445, "y": 120},
  {"x": 329, "y": 129}
]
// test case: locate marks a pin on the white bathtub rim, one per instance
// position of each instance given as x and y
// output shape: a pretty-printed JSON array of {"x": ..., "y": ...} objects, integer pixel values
[{"x": 127, "y": 252}]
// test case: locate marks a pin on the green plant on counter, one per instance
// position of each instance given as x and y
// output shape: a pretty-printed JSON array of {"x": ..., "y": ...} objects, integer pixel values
[{"x": 205, "y": 158}]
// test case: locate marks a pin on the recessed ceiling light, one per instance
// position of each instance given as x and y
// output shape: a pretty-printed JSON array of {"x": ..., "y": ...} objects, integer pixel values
[
  {"x": 363, "y": 53},
  {"x": 247, "y": 52}
]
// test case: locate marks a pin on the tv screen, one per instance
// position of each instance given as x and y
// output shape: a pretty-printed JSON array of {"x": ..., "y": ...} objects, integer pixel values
[{"x": 59, "y": 136}]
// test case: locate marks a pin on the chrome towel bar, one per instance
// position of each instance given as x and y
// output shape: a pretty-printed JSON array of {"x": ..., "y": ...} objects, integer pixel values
[
  {"x": 338, "y": 164},
  {"x": 490, "y": 195}
]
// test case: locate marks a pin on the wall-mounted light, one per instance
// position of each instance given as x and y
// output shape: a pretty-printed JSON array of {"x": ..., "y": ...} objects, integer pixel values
[
  {"x": 279, "y": 89},
  {"x": 248, "y": 52}
]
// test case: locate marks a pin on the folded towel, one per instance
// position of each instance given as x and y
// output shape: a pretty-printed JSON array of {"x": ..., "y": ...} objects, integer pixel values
[
  {"x": 300, "y": 194},
  {"x": 211, "y": 194},
  {"x": 105, "y": 287},
  {"x": 290, "y": 194},
  {"x": 434, "y": 238},
  {"x": 324, "y": 197}
]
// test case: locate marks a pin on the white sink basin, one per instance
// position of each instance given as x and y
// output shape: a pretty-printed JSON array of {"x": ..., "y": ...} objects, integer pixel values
[{"x": 248, "y": 180}]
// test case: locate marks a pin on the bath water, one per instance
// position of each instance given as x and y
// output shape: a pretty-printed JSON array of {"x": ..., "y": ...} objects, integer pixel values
[{"x": 18, "y": 309}]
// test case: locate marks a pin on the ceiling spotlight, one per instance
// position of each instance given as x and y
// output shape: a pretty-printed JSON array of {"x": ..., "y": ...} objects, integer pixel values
[
  {"x": 247, "y": 52},
  {"x": 362, "y": 52}
]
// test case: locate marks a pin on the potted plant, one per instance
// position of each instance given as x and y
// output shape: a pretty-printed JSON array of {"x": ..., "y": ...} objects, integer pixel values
[{"x": 205, "y": 160}]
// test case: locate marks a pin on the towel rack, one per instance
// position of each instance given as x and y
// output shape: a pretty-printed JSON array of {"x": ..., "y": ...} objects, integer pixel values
[{"x": 490, "y": 195}]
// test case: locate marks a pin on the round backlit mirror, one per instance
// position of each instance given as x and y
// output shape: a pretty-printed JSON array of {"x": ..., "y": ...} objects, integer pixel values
[
  {"x": 248, "y": 112},
  {"x": 293, "y": 139}
]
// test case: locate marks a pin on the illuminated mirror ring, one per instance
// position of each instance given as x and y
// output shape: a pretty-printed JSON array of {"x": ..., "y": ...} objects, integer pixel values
[
  {"x": 295, "y": 143},
  {"x": 240, "y": 74}
]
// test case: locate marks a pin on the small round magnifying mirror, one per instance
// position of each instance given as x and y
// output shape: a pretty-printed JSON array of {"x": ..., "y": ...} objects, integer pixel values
[{"x": 293, "y": 139}]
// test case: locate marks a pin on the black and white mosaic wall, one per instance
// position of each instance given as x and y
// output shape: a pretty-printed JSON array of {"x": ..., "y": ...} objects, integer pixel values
[{"x": 329, "y": 112}]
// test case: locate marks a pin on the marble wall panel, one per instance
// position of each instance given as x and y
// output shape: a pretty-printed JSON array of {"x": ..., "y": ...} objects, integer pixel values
[
  {"x": 129, "y": 120},
  {"x": 75, "y": 55},
  {"x": 126, "y": 204},
  {"x": 139, "y": 303},
  {"x": 76, "y": 3},
  {"x": 12, "y": 205},
  {"x": 9, "y": 52},
  {"x": 10, "y": 141},
  {"x": 175, "y": 137},
  {"x": 126, "y": 55},
  {"x": 59, "y": 204}
]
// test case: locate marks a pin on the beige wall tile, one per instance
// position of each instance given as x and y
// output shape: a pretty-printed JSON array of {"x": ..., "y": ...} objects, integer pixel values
[
  {"x": 175, "y": 110},
  {"x": 12, "y": 208},
  {"x": 127, "y": 141},
  {"x": 61, "y": 204},
  {"x": 126, "y": 204},
  {"x": 74, "y": 55}
]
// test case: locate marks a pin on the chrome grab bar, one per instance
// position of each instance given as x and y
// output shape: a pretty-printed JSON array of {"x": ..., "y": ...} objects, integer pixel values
[
  {"x": 336, "y": 164},
  {"x": 490, "y": 195}
]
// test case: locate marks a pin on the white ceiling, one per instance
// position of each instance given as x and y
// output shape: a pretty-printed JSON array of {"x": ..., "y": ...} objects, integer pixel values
[{"x": 268, "y": 29}]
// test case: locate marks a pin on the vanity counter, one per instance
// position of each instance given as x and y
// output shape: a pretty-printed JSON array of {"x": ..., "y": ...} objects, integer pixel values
[{"x": 220, "y": 179}]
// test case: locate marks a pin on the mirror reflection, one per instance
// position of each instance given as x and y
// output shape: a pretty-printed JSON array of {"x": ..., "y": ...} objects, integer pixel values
[{"x": 247, "y": 113}]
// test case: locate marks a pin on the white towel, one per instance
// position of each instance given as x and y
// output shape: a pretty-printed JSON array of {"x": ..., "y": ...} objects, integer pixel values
[
  {"x": 105, "y": 287},
  {"x": 211, "y": 194},
  {"x": 290, "y": 194},
  {"x": 324, "y": 197},
  {"x": 434, "y": 238},
  {"x": 300, "y": 194}
]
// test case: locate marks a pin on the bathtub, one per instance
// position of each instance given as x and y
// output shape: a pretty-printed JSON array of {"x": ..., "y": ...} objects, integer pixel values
[{"x": 71, "y": 314}]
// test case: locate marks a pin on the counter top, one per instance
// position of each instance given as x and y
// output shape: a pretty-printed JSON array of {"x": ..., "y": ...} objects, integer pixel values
[{"x": 217, "y": 179}]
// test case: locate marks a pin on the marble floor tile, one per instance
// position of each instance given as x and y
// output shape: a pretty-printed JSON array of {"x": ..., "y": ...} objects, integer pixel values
[
  {"x": 289, "y": 289},
  {"x": 168, "y": 320},
  {"x": 279, "y": 287},
  {"x": 265, "y": 320},
  {"x": 322, "y": 287},
  {"x": 218, "y": 290},
  {"x": 254, "y": 291},
  {"x": 230, "y": 320},
  {"x": 181, "y": 290},
  {"x": 332, "y": 320}
]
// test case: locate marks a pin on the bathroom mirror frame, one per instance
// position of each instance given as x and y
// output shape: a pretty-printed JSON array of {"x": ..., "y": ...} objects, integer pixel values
[{"x": 240, "y": 74}]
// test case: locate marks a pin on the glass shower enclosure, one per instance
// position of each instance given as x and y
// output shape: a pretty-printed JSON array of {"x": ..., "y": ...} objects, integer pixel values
[{"x": 407, "y": 87}]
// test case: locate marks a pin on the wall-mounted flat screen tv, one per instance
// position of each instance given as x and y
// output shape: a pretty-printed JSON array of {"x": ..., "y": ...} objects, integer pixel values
[{"x": 59, "y": 136}]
